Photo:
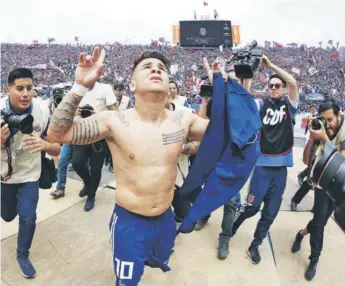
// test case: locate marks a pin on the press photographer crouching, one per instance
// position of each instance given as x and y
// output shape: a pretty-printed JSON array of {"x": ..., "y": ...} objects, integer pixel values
[
  {"x": 328, "y": 173},
  {"x": 23, "y": 137},
  {"x": 88, "y": 160}
]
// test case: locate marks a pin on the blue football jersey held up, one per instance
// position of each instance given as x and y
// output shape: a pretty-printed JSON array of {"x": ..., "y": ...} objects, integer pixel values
[{"x": 227, "y": 153}]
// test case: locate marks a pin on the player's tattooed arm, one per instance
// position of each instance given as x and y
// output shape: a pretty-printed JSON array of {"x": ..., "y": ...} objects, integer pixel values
[{"x": 86, "y": 131}]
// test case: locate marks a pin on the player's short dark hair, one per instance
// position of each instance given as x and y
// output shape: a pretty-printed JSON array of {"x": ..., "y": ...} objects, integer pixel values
[
  {"x": 152, "y": 55},
  {"x": 19, "y": 73},
  {"x": 278, "y": 77},
  {"x": 329, "y": 104}
]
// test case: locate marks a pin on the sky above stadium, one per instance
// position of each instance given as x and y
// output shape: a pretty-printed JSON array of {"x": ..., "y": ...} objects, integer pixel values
[{"x": 139, "y": 21}]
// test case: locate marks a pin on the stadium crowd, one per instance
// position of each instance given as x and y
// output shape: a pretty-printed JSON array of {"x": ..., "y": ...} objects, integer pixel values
[{"x": 318, "y": 74}]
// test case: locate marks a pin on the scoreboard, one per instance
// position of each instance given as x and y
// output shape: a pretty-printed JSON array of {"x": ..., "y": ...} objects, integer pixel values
[{"x": 207, "y": 33}]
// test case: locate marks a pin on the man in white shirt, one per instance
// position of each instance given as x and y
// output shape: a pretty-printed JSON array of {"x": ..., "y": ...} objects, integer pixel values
[
  {"x": 177, "y": 99},
  {"x": 122, "y": 102},
  {"x": 21, "y": 159},
  {"x": 88, "y": 160}
]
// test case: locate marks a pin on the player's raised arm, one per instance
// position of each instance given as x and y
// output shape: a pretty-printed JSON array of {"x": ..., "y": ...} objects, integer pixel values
[{"x": 86, "y": 131}]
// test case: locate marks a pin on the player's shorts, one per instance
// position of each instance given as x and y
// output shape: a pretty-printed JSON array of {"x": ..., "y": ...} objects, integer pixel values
[{"x": 137, "y": 241}]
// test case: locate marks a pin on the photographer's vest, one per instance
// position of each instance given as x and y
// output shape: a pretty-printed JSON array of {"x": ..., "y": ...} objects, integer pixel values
[
  {"x": 277, "y": 128},
  {"x": 26, "y": 166}
]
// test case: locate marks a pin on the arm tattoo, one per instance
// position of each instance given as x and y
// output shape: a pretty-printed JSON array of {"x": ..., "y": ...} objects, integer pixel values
[
  {"x": 85, "y": 132},
  {"x": 178, "y": 117},
  {"x": 122, "y": 118},
  {"x": 62, "y": 119},
  {"x": 172, "y": 138}
]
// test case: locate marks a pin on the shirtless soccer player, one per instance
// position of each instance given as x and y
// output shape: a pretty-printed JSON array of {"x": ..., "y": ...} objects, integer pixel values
[{"x": 145, "y": 144}]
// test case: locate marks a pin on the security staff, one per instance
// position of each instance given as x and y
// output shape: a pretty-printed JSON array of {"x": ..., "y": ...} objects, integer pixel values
[
  {"x": 323, "y": 205},
  {"x": 268, "y": 180},
  {"x": 21, "y": 161}
]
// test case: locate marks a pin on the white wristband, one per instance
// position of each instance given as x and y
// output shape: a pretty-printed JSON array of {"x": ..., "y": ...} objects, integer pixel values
[{"x": 79, "y": 89}]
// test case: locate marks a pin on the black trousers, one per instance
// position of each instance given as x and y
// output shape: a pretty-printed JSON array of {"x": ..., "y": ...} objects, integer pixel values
[
  {"x": 322, "y": 210},
  {"x": 87, "y": 161},
  {"x": 302, "y": 192}
]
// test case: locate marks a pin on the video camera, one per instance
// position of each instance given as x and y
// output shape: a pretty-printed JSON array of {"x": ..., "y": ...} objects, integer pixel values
[
  {"x": 17, "y": 122},
  {"x": 328, "y": 173},
  {"x": 86, "y": 111},
  {"x": 247, "y": 61}
]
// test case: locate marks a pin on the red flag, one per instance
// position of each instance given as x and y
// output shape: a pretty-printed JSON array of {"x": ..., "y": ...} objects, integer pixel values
[
  {"x": 334, "y": 56},
  {"x": 205, "y": 3},
  {"x": 277, "y": 45}
]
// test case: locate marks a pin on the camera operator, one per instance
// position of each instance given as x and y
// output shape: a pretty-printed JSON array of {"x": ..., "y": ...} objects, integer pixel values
[
  {"x": 22, "y": 141},
  {"x": 323, "y": 205},
  {"x": 88, "y": 160},
  {"x": 268, "y": 180}
]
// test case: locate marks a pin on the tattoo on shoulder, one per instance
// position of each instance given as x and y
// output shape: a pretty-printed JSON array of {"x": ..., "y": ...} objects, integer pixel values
[
  {"x": 174, "y": 137},
  {"x": 178, "y": 117},
  {"x": 122, "y": 118},
  {"x": 85, "y": 132}
]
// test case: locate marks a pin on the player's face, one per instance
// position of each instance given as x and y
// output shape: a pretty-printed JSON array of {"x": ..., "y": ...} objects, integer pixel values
[
  {"x": 151, "y": 76},
  {"x": 276, "y": 88},
  {"x": 21, "y": 93}
]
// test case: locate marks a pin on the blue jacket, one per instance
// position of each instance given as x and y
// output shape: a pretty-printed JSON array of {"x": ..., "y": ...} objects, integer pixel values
[{"x": 227, "y": 153}]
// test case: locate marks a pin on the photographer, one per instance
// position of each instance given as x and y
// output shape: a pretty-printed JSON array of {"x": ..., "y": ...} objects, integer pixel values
[
  {"x": 268, "y": 180},
  {"x": 88, "y": 160},
  {"x": 23, "y": 137},
  {"x": 334, "y": 133}
]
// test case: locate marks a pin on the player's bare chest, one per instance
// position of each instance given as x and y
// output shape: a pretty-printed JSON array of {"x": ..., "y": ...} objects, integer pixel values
[{"x": 156, "y": 145}]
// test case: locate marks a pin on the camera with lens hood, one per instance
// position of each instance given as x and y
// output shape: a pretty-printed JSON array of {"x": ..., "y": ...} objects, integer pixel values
[{"x": 17, "y": 122}]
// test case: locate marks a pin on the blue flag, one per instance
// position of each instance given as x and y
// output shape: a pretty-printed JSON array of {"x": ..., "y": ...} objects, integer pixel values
[{"x": 227, "y": 153}]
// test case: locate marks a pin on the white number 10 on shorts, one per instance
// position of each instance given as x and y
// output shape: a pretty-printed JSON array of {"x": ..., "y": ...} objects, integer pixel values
[{"x": 124, "y": 269}]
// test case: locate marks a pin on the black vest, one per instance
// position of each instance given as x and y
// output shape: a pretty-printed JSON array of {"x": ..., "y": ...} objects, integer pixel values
[{"x": 277, "y": 128}]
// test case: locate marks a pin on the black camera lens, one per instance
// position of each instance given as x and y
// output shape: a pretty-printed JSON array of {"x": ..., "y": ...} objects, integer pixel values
[{"x": 315, "y": 124}]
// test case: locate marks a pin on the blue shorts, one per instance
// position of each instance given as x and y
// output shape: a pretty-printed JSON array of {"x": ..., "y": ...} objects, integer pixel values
[{"x": 137, "y": 241}]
